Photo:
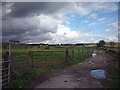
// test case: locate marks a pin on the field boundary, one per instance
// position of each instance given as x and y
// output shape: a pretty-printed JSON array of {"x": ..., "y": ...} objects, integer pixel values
[
  {"x": 31, "y": 61},
  {"x": 5, "y": 71},
  {"x": 112, "y": 51}
]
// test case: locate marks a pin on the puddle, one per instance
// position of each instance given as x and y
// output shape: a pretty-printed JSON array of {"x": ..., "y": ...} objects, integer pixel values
[
  {"x": 90, "y": 61},
  {"x": 98, "y": 73},
  {"x": 94, "y": 54},
  {"x": 104, "y": 62}
]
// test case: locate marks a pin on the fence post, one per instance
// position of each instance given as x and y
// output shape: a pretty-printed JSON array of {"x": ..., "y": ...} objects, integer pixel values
[
  {"x": 78, "y": 53},
  {"x": 85, "y": 51},
  {"x": 82, "y": 51},
  {"x": 9, "y": 49},
  {"x": 30, "y": 59},
  {"x": 67, "y": 55},
  {"x": 88, "y": 51},
  {"x": 92, "y": 50},
  {"x": 72, "y": 54}
]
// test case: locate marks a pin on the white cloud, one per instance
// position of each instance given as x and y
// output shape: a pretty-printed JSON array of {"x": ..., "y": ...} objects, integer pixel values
[
  {"x": 114, "y": 32},
  {"x": 94, "y": 16},
  {"x": 67, "y": 22},
  {"x": 108, "y": 30},
  {"x": 105, "y": 7},
  {"x": 92, "y": 24},
  {"x": 66, "y": 35},
  {"x": 63, "y": 35},
  {"x": 100, "y": 19},
  {"x": 114, "y": 24},
  {"x": 73, "y": 15},
  {"x": 86, "y": 21},
  {"x": 115, "y": 27}
]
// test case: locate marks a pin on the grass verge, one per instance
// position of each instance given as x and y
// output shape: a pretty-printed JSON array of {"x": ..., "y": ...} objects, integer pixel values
[{"x": 114, "y": 79}]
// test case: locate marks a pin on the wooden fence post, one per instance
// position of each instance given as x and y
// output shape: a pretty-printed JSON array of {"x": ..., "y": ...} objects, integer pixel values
[
  {"x": 72, "y": 54},
  {"x": 88, "y": 51},
  {"x": 30, "y": 58},
  {"x": 92, "y": 50},
  {"x": 78, "y": 53},
  {"x": 82, "y": 51},
  {"x": 67, "y": 56}
]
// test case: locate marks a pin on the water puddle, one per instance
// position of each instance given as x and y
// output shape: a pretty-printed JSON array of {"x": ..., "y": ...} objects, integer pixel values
[
  {"x": 94, "y": 54},
  {"x": 90, "y": 61},
  {"x": 105, "y": 62},
  {"x": 98, "y": 73}
]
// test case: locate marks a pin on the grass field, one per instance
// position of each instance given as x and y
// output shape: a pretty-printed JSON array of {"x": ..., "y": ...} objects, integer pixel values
[
  {"x": 22, "y": 74},
  {"x": 114, "y": 79}
]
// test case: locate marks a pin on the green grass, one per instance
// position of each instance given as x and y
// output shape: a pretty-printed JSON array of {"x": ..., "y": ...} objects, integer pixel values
[
  {"x": 114, "y": 79},
  {"x": 116, "y": 49},
  {"x": 22, "y": 74}
]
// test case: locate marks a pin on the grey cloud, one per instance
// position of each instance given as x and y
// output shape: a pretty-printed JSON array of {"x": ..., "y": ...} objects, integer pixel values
[
  {"x": 28, "y": 29},
  {"x": 23, "y": 9}
]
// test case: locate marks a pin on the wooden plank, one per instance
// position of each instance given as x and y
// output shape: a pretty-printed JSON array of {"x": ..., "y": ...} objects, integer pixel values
[
  {"x": 18, "y": 56},
  {"x": 49, "y": 54}
]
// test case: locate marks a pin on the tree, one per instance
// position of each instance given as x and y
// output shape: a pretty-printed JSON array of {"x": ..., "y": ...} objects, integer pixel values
[
  {"x": 112, "y": 44},
  {"x": 101, "y": 43}
]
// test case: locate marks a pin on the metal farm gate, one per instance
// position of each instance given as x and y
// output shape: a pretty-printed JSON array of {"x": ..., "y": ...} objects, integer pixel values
[
  {"x": 45, "y": 58},
  {"x": 5, "y": 70}
]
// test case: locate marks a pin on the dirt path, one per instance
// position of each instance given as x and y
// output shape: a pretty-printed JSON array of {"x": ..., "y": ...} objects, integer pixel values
[{"x": 78, "y": 76}]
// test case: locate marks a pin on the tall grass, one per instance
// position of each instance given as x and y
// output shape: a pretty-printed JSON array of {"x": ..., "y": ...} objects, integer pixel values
[{"x": 114, "y": 79}]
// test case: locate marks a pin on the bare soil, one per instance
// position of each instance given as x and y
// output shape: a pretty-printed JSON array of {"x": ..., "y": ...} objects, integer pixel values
[{"x": 77, "y": 76}]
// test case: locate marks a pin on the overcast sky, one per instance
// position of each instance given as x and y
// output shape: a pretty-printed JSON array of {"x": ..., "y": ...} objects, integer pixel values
[{"x": 60, "y": 22}]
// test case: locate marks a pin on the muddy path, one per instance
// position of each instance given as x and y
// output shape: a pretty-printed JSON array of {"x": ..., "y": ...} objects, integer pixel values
[{"x": 78, "y": 76}]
